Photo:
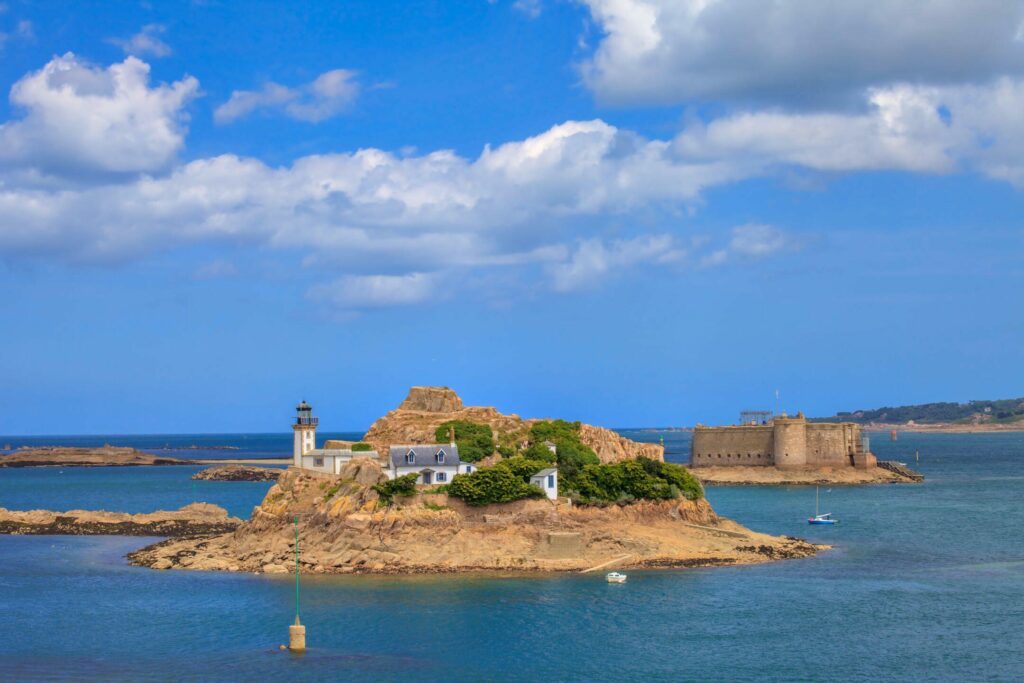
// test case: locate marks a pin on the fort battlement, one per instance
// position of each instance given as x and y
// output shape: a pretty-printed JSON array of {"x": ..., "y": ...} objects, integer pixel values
[{"x": 784, "y": 442}]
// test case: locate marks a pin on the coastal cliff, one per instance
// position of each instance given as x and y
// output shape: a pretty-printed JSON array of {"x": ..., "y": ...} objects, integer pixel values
[
  {"x": 345, "y": 527},
  {"x": 426, "y": 408}
]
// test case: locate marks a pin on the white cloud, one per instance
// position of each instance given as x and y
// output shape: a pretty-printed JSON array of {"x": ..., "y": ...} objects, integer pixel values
[
  {"x": 82, "y": 118},
  {"x": 795, "y": 51},
  {"x": 328, "y": 95},
  {"x": 906, "y": 128},
  {"x": 145, "y": 43},
  {"x": 376, "y": 291},
  {"x": 530, "y": 8},
  {"x": 595, "y": 261},
  {"x": 88, "y": 174}
]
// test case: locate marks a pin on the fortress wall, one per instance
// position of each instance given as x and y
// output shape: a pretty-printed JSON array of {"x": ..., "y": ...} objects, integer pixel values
[
  {"x": 790, "y": 441},
  {"x": 722, "y": 446},
  {"x": 828, "y": 445}
]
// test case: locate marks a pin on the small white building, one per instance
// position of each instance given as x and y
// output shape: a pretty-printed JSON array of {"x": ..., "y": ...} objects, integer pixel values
[
  {"x": 435, "y": 463},
  {"x": 547, "y": 481},
  {"x": 307, "y": 456}
]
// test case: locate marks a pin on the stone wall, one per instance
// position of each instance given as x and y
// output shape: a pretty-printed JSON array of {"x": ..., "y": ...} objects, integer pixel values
[
  {"x": 785, "y": 442},
  {"x": 748, "y": 446}
]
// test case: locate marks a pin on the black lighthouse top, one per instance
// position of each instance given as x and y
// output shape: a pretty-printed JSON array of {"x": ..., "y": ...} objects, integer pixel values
[{"x": 304, "y": 415}]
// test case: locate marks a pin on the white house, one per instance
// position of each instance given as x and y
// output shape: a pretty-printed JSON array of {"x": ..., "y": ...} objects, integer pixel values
[
  {"x": 547, "y": 481},
  {"x": 435, "y": 463}
]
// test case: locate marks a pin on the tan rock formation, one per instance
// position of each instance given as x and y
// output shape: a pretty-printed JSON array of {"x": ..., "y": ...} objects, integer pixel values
[
  {"x": 194, "y": 519},
  {"x": 344, "y": 529},
  {"x": 70, "y": 456},
  {"x": 426, "y": 408}
]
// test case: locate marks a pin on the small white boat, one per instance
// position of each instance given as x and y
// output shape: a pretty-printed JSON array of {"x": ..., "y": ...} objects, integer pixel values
[
  {"x": 615, "y": 577},
  {"x": 819, "y": 518}
]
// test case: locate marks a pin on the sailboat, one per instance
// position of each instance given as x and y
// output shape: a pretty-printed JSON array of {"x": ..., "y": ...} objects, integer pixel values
[{"x": 825, "y": 518}]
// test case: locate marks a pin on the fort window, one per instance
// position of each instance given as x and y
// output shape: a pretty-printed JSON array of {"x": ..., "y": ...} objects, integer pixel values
[{"x": 318, "y": 462}]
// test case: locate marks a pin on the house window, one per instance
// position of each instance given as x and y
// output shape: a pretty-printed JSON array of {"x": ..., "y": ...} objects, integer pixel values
[
  {"x": 410, "y": 457},
  {"x": 551, "y": 481},
  {"x": 469, "y": 468},
  {"x": 440, "y": 456},
  {"x": 441, "y": 476},
  {"x": 318, "y": 462}
]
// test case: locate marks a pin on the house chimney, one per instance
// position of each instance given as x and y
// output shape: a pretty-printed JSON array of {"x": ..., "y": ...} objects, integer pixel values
[{"x": 451, "y": 435}]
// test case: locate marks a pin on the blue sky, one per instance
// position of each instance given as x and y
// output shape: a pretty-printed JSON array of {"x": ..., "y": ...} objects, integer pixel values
[{"x": 630, "y": 212}]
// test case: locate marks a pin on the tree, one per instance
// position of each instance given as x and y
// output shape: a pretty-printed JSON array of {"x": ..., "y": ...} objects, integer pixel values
[{"x": 475, "y": 441}]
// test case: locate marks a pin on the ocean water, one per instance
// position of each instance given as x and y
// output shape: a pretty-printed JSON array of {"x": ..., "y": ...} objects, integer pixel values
[{"x": 925, "y": 582}]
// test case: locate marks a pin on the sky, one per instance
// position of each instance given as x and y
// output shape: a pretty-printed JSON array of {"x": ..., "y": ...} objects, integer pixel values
[{"x": 626, "y": 212}]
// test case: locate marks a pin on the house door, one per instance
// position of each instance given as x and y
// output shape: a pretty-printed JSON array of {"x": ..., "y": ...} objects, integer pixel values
[{"x": 428, "y": 477}]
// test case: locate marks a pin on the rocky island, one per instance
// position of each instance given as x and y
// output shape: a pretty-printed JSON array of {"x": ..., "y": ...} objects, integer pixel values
[
  {"x": 66, "y": 456},
  {"x": 237, "y": 473},
  {"x": 197, "y": 519},
  {"x": 618, "y": 504}
]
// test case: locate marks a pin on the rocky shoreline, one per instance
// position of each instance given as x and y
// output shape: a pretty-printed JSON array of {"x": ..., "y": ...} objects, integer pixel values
[
  {"x": 195, "y": 520},
  {"x": 237, "y": 473},
  {"x": 822, "y": 476},
  {"x": 344, "y": 529},
  {"x": 66, "y": 456}
]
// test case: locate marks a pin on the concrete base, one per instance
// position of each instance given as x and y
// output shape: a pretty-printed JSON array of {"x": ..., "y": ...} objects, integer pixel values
[{"x": 297, "y": 637}]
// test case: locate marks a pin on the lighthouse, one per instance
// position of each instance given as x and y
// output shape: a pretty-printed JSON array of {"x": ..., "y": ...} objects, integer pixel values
[{"x": 305, "y": 432}]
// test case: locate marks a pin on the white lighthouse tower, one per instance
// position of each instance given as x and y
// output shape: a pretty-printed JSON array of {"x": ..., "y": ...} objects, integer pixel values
[{"x": 305, "y": 432}]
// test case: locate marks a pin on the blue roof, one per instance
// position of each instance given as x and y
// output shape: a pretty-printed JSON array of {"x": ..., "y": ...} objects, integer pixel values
[{"x": 424, "y": 455}]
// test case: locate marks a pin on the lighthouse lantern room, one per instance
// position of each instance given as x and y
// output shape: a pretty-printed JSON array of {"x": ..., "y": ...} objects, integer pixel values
[{"x": 305, "y": 432}]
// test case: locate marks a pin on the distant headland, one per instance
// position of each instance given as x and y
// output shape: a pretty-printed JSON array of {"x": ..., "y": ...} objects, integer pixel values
[{"x": 1002, "y": 415}]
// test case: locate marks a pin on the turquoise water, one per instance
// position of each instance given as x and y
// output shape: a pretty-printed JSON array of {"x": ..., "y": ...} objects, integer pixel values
[{"x": 925, "y": 583}]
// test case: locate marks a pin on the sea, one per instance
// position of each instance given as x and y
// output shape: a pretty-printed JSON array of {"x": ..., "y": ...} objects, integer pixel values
[{"x": 924, "y": 583}]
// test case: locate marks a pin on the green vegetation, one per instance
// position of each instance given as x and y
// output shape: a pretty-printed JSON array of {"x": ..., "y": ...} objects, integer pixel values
[
  {"x": 475, "y": 441},
  {"x": 503, "y": 483},
  {"x": 640, "y": 479},
  {"x": 1005, "y": 410},
  {"x": 580, "y": 472},
  {"x": 402, "y": 486},
  {"x": 361, "y": 447},
  {"x": 435, "y": 507}
]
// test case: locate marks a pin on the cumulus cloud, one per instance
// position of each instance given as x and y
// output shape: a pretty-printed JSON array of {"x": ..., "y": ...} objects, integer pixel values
[
  {"x": 330, "y": 94},
  {"x": 595, "y": 260},
  {"x": 80, "y": 118},
  {"x": 376, "y": 291},
  {"x": 145, "y": 43},
  {"x": 907, "y": 128},
  {"x": 795, "y": 51},
  {"x": 88, "y": 173},
  {"x": 530, "y": 8}
]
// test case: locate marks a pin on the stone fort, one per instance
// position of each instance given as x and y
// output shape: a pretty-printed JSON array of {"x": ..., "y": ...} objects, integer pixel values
[{"x": 781, "y": 441}]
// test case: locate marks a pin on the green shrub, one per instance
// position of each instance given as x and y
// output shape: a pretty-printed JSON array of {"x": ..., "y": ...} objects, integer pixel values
[
  {"x": 402, "y": 486},
  {"x": 492, "y": 485},
  {"x": 538, "y": 451},
  {"x": 475, "y": 441},
  {"x": 522, "y": 467},
  {"x": 361, "y": 447},
  {"x": 640, "y": 479}
]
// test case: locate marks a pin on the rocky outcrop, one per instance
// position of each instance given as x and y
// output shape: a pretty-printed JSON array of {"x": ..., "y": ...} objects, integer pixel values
[
  {"x": 197, "y": 519},
  {"x": 345, "y": 528},
  {"x": 426, "y": 408},
  {"x": 107, "y": 456},
  {"x": 809, "y": 476},
  {"x": 431, "y": 400},
  {"x": 237, "y": 473}
]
